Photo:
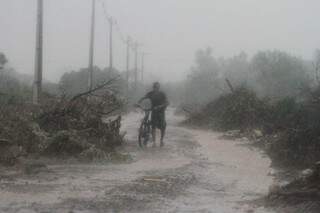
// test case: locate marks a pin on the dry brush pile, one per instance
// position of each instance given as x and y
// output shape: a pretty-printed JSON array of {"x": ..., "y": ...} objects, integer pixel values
[
  {"x": 290, "y": 129},
  {"x": 62, "y": 127},
  {"x": 240, "y": 109},
  {"x": 300, "y": 195}
]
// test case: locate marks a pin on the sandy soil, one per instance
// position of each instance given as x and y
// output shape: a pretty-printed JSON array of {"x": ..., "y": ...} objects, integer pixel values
[{"x": 195, "y": 172}]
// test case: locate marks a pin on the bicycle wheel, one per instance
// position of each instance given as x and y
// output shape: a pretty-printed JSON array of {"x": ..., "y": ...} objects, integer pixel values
[{"x": 144, "y": 134}]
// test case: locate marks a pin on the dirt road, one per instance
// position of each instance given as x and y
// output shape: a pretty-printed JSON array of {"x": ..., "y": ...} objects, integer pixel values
[{"x": 195, "y": 172}]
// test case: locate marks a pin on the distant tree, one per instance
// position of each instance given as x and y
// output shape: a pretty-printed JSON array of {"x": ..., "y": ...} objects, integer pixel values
[
  {"x": 316, "y": 65},
  {"x": 174, "y": 91},
  {"x": 279, "y": 74},
  {"x": 236, "y": 69},
  {"x": 13, "y": 88},
  {"x": 202, "y": 83},
  {"x": 207, "y": 78},
  {"x": 3, "y": 60},
  {"x": 273, "y": 74},
  {"x": 75, "y": 82}
]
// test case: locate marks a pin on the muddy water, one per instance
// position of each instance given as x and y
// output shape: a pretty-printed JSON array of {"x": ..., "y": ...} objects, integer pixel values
[
  {"x": 195, "y": 172},
  {"x": 233, "y": 174}
]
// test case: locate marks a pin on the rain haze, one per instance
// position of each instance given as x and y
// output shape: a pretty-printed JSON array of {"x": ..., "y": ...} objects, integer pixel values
[
  {"x": 160, "y": 106},
  {"x": 170, "y": 31}
]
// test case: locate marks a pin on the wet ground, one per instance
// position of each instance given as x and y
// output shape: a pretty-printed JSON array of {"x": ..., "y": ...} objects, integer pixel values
[{"x": 196, "y": 171}]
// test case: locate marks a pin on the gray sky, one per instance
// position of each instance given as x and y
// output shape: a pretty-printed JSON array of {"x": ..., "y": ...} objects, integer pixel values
[{"x": 171, "y": 31}]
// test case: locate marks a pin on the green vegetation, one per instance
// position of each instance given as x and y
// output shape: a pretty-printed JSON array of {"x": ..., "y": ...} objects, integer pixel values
[
  {"x": 65, "y": 125},
  {"x": 279, "y": 98}
]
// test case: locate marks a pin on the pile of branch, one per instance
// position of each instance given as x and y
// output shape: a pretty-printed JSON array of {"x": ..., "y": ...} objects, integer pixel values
[
  {"x": 18, "y": 132},
  {"x": 241, "y": 109},
  {"x": 68, "y": 127},
  {"x": 287, "y": 128},
  {"x": 304, "y": 189}
]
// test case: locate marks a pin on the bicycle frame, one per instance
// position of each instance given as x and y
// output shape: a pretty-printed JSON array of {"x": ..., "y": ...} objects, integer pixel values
[
  {"x": 145, "y": 128},
  {"x": 146, "y": 118}
]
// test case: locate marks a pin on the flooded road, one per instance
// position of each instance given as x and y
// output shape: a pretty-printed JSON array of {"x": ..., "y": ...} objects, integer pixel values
[{"x": 195, "y": 172}]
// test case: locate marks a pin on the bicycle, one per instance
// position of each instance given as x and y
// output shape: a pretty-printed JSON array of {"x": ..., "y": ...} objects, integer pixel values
[{"x": 145, "y": 128}]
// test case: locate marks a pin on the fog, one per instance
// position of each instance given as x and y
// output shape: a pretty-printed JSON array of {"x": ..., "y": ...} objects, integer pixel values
[
  {"x": 237, "y": 106},
  {"x": 171, "y": 31}
]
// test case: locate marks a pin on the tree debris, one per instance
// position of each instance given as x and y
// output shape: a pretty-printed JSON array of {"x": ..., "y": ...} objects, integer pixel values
[{"x": 68, "y": 127}]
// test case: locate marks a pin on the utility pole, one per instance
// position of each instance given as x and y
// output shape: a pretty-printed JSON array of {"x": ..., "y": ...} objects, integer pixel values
[
  {"x": 136, "y": 46},
  {"x": 91, "y": 48},
  {"x": 143, "y": 54},
  {"x": 128, "y": 65},
  {"x": 111, "y": 22},
  {"x": 39, "y": 54}
]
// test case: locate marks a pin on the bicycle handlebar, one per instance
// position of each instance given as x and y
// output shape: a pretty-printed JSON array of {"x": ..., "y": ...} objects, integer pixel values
[{"x": 141, "y": 107}]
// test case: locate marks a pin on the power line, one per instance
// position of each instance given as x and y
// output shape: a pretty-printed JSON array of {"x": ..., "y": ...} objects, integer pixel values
[
  {"x": 121, "y": 34},
  {"x": 107, "y": 16},
  {"x": 114, "y": 25}
]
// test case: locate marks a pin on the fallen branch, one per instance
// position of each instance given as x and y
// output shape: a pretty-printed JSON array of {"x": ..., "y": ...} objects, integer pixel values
[
  {"x": 94, "y": 90},
  {"x": 110, "y": 111},
  {"x": 155, "y": 180},
  {"x": 301, "y": 194},
  {"x": 4, "y": 141},
  {"x": 186, "y": 110},
  {"x": 230, "y": 85}
]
